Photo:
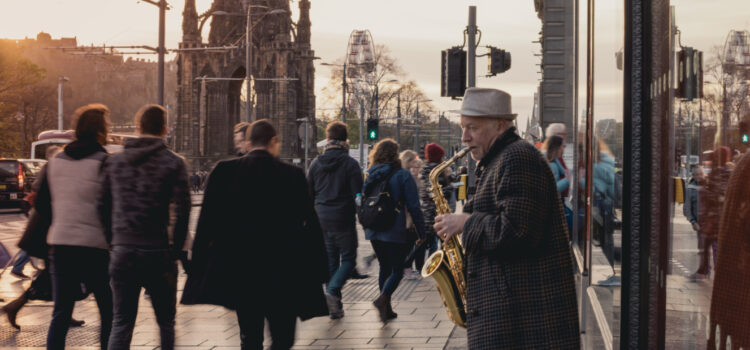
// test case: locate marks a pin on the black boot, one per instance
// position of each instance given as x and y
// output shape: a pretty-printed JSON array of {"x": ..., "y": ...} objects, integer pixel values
[
  {"x": 76, "y": 323},
  {"x": 390, "y": 313},
  {"x": 11, "y": 309},
  {"x": 382, "y": 304}
]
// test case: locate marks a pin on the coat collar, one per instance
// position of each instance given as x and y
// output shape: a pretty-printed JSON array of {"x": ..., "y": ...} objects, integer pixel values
[{"x": 507, "y": 138}]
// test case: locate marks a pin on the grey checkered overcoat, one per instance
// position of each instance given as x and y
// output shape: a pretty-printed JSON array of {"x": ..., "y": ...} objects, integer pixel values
[{"x": 520, "y": 288}]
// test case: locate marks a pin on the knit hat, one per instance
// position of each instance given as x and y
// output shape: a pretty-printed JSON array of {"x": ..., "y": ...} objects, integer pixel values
[{"x": 433, "y": 152}]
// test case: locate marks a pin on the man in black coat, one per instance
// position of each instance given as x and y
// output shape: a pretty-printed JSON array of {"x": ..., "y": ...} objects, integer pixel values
[
  {"x": 520, "y": 290},
  {"x": 335, "y": 179},
  {"x": 258, "y": 247}
]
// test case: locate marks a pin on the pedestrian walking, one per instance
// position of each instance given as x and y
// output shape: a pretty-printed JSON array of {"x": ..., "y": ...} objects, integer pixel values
[
  {"x": 335, "y": 179},
  {"x": 554, "y": 147},
  {"x": 690, "y": 208},
  {"x": 433, "y": 156},
  {"x": 391, "y": 242},
  {"x": 410, "y": 161},
  {"x": 520, "y": 289},
  {"x": 69, "y": 194},
  {"x": 258, "y": 247},
  {"x": 139, "y": 184},
  {"x": 241, "y": 145},
  {"x": 711, "y": 201},
  {"x": 195, "y": 182}
]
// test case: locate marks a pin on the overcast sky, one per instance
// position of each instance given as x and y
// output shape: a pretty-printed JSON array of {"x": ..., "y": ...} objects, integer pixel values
[{"x": 415, "y": 31}]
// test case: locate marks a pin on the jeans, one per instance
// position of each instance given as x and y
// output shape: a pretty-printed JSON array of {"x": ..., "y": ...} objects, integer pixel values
[
  {"x": 342, "y": 258},
  {"x": 281, "y": 324},
  {"x": 391, "y": 257},
  {"x": 21, "y": 261},
  {"x": 131, "y": 269},
  {"x": 70, "y": 267}
]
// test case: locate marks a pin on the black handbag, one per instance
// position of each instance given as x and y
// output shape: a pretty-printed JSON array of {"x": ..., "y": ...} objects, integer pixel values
[
  {"x": 41, "y": 288},
  {"x": 34, "y": 239}
]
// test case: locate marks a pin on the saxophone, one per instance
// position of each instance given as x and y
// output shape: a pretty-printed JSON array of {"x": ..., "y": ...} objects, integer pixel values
[{"x": 446, "y": 266}]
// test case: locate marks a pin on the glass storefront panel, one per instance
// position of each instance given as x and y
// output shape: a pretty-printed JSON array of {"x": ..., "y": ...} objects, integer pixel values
[{"x": 708, "y": 281}]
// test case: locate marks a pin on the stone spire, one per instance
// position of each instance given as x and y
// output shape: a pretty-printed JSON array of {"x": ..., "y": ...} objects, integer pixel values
[
  {"x": 190, "y": 23},
  {"x": 303, "y": 25}
]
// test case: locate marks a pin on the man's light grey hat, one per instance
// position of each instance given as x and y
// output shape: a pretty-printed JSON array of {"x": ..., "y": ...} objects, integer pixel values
[{"x": 484, "y": 102}]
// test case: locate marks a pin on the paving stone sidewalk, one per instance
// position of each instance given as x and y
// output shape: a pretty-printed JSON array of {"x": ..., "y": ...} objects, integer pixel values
[{"x": 421, "y": 324}]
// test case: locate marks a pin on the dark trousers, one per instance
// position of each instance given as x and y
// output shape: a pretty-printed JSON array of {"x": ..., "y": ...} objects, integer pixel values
[
  {"x": 133, "y": 268},
  {"x": 281, "y": 323},
  {"x": 70, "y": 267},
  {"x": 391, "y": 258},
  {"x": 342, "y": 258}
]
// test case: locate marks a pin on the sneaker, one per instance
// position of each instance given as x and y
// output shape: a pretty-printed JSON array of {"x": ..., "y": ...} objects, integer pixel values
[
  {"x": 358, "y": 276},
  {"x": 335, "y": 307},
  {"x": 20, "y": 275},
  {"x": 410, "y": 274},
  {"x": 612, "y": 281}
]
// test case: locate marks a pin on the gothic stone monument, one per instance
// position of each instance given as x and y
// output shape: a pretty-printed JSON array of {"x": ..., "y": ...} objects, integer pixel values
[{"x": 209, "y": 104}]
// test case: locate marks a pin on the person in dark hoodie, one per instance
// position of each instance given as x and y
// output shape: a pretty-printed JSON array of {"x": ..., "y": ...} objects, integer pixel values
[
  {"x": 139, "y": 184},
  {"x": 79, "y": 243},
  {"x": 335, "y": 179}
]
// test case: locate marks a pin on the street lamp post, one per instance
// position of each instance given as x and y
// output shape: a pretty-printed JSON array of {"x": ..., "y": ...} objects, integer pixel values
[
  {"x": 416, "y": 121},
  {"x": 161, "y": 50},
  {"x": 60, "y": 82},
  {"x": 343, "y": 89}
]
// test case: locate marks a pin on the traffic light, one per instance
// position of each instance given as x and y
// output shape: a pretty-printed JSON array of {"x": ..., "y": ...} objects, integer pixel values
[
  {"x": 745, "y": 131},
  {"x": 690, "y": 74},
  {"x": 372, "y": 129},
  {"x": 453, "y": 72},
  {"x": 498, "y": 61}
]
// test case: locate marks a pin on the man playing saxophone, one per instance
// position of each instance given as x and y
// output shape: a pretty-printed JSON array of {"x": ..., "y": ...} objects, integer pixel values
[{"x": 520, "y": 291}]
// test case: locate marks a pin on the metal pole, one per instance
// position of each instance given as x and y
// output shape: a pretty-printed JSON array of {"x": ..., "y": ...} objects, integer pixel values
[
  {"x": 343, "y": 95},
  {"x": 398, "y": 118},
  {"x": 416, "y": 132},
  {"x": 307, "y": 141},
  {"x": 59, "y": 104},
  {"x": 471, "y": 72},
  {"x": 248, "y": 63},
  {"x": 361, "y": 133},
  {"x": 472, "y": 32},
  {"x": 162, "y": 15}
]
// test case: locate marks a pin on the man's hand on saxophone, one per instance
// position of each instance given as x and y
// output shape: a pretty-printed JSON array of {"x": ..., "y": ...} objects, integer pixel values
[{"x": 448, "y": 225}]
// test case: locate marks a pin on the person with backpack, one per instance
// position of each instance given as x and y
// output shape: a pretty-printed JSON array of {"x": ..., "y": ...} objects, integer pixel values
[
  {"x": 389, "y": 192},
  {"x": 139, "y": 184},
  {"x": 335, "y": 179}
]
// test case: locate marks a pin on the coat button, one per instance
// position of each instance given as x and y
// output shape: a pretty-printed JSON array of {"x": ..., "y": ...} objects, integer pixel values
[
  {"x": 474, "y": 312},
  {"x": 472, "y": 274}
]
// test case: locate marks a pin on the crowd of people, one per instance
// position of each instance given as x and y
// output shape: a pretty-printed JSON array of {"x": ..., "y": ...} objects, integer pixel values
[{"x": 117, "y": 223}]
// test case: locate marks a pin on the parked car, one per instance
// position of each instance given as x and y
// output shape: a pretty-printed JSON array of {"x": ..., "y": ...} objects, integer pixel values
[{"x": 16, "y": 177}]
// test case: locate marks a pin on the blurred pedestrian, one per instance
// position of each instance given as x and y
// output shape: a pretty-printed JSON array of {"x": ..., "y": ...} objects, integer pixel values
[
  {"x": 41, "y": 286},
  {"x": 558, "y": 129},
  {"x": 690, "y": 208},
  {"x": 730, "y": 305},
  {"x": 392, "y": 244},
  {"x": 139, "y": 184},
  {"x": 79, "y": 252},
  {"x": 335, "y": 179},
  {"x": 241, "y": 145},
  {"x": 258, "y": 247},
  {"x": 23, "y": 257},
  {"x": 519, "y": 267},
  {"x": 433, "y": 154},
  {"x": 711, "y": 201},
  {"x": 195, "y": 182},
  {"x": 554, "y": 148},
  {"x": 410, "y": 161}
]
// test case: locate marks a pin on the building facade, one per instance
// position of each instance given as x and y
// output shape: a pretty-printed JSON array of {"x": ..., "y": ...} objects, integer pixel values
[{"x": 211, "y": 86}]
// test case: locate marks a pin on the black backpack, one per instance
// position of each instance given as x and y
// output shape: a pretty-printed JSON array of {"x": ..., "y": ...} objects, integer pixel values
[{"x": 378, "y": 210}]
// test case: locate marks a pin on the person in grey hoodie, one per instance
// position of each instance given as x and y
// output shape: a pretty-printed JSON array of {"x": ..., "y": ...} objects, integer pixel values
[
  {"x": 335, "y": 179},
  {"x": 139, "y": 184}
]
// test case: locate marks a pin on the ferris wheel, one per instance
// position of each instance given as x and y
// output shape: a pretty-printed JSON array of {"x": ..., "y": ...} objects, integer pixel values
[
  {"x": 360, "y": 64},
  {"x": 737, "y": 53}
]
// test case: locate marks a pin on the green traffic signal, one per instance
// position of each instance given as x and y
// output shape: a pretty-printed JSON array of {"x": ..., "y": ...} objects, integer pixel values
[
  {"x": 745, "y": 138},
  {"x": 373, "y": 135}
]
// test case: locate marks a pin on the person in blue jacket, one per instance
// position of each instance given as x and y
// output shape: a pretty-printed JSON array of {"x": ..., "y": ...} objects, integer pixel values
[
  {"x": 392, "y": 245},
  {"x": 554, "y": 153}
]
